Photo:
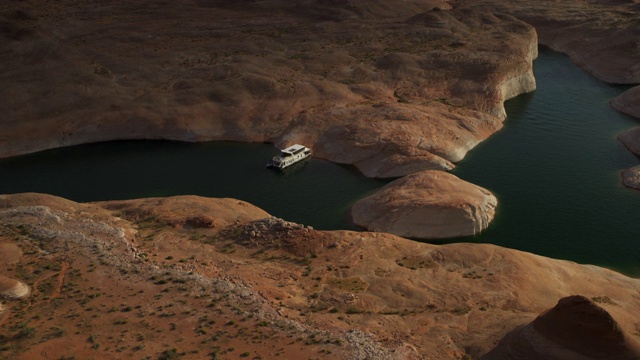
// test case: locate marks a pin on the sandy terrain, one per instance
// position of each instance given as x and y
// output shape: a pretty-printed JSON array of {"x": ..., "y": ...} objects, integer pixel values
[{"x": 138, "y": 278}]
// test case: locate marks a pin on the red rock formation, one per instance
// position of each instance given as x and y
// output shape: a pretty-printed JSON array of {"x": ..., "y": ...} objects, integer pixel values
[{"x": 576, "y": 328}]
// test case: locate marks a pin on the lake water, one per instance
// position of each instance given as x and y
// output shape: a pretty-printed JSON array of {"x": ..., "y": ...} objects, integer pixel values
[
  {"x": 554, "y": 168},
  {"x": 315, "y": 192}
]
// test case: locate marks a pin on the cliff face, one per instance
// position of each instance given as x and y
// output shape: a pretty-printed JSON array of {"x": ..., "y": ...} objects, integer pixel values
[
  {"x": 600, "y": 36},
  {"x": 392, "y": 87},
  {"x": 222, "y": 277}
]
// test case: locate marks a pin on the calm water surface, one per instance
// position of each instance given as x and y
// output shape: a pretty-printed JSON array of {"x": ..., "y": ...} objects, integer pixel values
[
  {"x": 316, "y": 192},
  {"x": 554, "y": 168}
]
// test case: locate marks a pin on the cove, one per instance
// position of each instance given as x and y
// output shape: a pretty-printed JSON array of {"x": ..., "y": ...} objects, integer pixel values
[
  {"x": 555, "y": 169},
  {"x": 316, "y": 192}
]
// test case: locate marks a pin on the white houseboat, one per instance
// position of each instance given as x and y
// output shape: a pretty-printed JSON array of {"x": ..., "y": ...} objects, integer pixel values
[{"x": 289, "y": 156}]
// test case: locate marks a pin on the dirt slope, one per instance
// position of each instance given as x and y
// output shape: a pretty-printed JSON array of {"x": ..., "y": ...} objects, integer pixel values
[{"x": 139, "y": 278}]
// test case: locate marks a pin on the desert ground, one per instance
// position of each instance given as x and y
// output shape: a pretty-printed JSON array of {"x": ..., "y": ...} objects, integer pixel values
[{"x": 399, "y": 89}]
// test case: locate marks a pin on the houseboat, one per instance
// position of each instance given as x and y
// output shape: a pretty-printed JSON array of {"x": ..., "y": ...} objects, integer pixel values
[{"x": 289, "y": 156}]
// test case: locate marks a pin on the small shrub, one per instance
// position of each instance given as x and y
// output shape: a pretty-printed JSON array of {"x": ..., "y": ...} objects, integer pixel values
[{"x": 169, "y": 355}]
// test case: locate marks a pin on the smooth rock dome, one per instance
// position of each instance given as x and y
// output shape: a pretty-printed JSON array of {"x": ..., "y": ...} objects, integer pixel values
[
  {"x": 428, "y": 205},
  {"x": 576, "y": 328}
]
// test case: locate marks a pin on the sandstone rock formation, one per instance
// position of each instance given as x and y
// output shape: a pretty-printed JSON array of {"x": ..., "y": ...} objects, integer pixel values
[
  {"x": 600, "y": 36},
  {"x": 11, "y": 289},
  {"x": 628, "y": 102},
  {"x": 631, "y": 139},
  {"x": 576, "y": 328},
  {"x": 191, "y": 273},
  {"x": 631, "y": 177},
  {"x": 427, "y": 205},
  {"x": 391, "y": 86}
]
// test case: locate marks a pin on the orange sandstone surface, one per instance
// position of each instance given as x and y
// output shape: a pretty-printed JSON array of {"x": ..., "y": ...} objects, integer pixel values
[
  {"x": 392, "y": 87},
  {"x": 197, "y": 277}
]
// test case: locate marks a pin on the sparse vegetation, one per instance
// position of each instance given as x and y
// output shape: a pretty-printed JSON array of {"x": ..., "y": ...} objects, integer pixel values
[
  {"x": 462, "y": 310},
  {"x": 354, "y": 284},
  {"x": 171, "y": 354},
  {"x": 603, "y": 300}
]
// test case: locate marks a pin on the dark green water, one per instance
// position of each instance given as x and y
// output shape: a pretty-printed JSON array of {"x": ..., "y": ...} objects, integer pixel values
[
  {"x": 554, "y": 168},
  {"x": 316, "y": 192}
]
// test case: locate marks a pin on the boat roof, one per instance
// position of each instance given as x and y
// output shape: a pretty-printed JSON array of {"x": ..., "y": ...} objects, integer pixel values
[{"x": 294, "y": 148}]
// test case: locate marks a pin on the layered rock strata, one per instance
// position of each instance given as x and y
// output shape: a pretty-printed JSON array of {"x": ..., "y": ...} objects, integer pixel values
[
  {"x": 220, "y": 276},
  {"x": 427, "y": 205}
]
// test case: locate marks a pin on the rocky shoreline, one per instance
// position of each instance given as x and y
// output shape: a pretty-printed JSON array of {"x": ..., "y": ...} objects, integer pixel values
[
  {"x": 413, "y": 92},
  {"x": 628, "y": 103},
  {"x": 396, "y": 88},
  {"x": 393, "y": 90},
  {"x": 602, "y": 40}
]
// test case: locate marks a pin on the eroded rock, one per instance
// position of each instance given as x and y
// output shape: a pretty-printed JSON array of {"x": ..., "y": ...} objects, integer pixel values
[
  {"x": 631, "y": 177},
  {"x": 631, "y": 139},
  {"x": 13, "y": 289},
  {"x": 428, "y": 205},
  {"x": 575, "y": 329},
  {"x": 628, "y": 102},
  {"x": 393, "y": 87},
  {"x": 600, "y": 36}
]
